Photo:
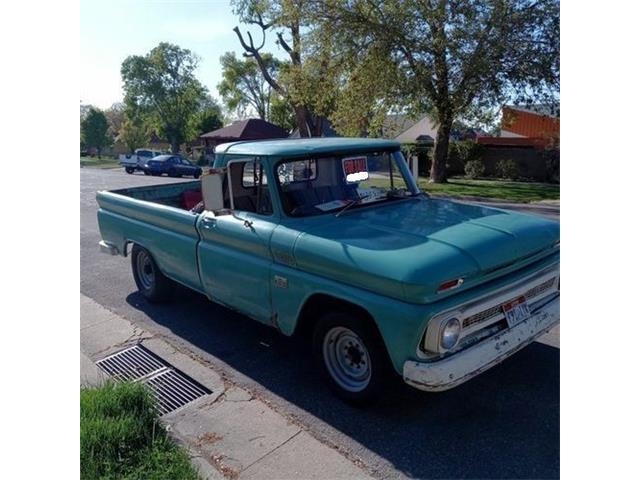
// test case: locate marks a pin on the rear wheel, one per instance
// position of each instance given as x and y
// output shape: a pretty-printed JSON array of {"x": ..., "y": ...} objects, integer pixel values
[
  {"x": 352, "y": 357},
  {"x": 149, "y": 279},
  {"x": 197, "y": 174}
]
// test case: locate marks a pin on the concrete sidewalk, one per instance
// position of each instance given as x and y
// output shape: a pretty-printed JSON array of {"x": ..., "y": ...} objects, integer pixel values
[{"x": 229, "y": 433}]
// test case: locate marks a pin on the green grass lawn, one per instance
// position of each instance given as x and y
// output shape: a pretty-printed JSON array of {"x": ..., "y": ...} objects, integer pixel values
[
  {"x": 95, "y": 162},
  {"x": 499, "y": 189},
  {"x": 120, "y": 437}
]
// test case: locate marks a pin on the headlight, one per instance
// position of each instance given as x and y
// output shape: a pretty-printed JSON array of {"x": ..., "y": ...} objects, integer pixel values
[{"x": 450, "y": 334}]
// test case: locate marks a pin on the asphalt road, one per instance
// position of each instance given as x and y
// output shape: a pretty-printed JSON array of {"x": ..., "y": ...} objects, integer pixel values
[{"x": 502, "y": 424}]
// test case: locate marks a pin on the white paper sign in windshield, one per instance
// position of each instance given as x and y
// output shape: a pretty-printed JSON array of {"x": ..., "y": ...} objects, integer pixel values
[{"x": 355, "y": 169}]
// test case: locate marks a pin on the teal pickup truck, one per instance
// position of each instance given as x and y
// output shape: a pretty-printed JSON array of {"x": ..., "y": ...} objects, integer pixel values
[{"x": 332, "y": 238}]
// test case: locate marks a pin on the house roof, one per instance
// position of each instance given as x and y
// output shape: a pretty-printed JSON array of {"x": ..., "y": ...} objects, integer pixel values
[
  {"x": 546, "y": 109},
  {"x": 250, "y": 129},
  {"x": 394, "y": 124},
  {"x": 305, "y": 146},
  {"x": 425, "y": 126}
]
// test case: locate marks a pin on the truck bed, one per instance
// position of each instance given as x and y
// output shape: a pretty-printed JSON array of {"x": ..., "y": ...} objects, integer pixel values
[
  {"x": 172, "y": 194},
  {"x": 156, "y": 218}
]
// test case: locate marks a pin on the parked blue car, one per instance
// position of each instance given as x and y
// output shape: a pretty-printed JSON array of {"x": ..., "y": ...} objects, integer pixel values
[{"x": 172, "y": 165}]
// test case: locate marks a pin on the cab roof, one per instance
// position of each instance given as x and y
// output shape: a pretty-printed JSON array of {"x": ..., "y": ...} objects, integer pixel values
[{"x": 304, "y": 146}]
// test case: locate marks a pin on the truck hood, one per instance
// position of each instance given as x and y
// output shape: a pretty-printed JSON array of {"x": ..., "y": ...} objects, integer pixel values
[{"x": 406, "y": 249}]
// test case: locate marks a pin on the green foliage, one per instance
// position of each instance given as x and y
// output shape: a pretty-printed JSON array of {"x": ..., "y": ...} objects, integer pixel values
[
  {"x": 134, "y": 133},
  {"x": 282, "y": 113},
  {"x": 507, "y": 169},
  {"x": 93, "y": 130},
  {"x": 474, "y": 169},
  {"x": 243, "y": 86},
  {"x": 465, "y": 150},
  {"x": 162, "y": 86},
  {"x": 115, "y": 116},
  {"x": 120, "y": 436},
  {"x": 452, "y": 59},
  {"x": 552, "y": 161}
]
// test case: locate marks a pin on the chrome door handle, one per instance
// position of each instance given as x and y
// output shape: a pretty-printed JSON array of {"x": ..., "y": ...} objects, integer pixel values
[{"x": 209, "y": 223}]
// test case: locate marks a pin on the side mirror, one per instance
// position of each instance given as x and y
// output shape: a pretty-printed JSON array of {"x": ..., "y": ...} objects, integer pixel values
[{"x": 212, "y": 195}]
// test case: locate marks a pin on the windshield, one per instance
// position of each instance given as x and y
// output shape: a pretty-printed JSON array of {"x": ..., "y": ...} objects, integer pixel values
[{"x": 330, "y": 184}]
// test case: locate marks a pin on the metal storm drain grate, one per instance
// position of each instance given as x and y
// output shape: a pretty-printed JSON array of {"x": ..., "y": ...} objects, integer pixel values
[{"x": 170, "y": 387}]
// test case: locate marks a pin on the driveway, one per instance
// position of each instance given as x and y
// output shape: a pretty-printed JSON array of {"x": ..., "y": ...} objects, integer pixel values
[{"x": 502, "y": 424}]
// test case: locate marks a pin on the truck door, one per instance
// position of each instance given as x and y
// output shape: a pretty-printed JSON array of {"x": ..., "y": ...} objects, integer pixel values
[{"x": 234, "y": 257}]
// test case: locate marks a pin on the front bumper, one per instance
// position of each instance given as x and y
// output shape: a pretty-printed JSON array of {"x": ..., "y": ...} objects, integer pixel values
[{"x": 466, "y": 364}]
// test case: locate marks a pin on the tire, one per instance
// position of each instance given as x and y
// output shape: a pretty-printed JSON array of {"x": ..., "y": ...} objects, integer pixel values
[
  {"x": 146, "y": 173},
  {"x": 150, "y": 281},
  {"x": 129, "y": 170},
  {"x": 351, "y": 355},
  {"x": 197, "y": 174}
]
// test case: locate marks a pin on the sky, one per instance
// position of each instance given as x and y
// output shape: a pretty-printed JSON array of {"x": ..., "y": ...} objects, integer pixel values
[{"x": 111, "y": 30}]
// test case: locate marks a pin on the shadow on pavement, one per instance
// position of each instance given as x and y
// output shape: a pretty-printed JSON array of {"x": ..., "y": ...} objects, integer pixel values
[{"x": 502, "y": 424}]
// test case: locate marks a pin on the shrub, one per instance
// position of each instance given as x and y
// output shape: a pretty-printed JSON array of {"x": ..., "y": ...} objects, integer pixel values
[
  {"x": 507, "y": 169},
  {"x": 474, "y": 169},
  {"x": 552, "y": 162}
]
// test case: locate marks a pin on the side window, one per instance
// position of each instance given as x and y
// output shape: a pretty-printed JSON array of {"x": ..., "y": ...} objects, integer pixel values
[
  {"x": 250, "y": 187},
  {"x": 252, "y": 174},
  {"x": 299, "y": 171}
]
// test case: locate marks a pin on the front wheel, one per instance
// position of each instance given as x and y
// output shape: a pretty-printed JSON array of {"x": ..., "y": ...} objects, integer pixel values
[
  {"x": 129, "y": 170},
  {"x": 197, "y": 174},
  {"x": 149, "y": 279},
  {"x": 352, "y": 357}
]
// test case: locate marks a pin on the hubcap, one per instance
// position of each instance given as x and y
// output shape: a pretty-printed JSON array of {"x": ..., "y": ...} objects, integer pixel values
[
  {"x": 145, "y": 270},
  {"x": 347, "y": 359}
]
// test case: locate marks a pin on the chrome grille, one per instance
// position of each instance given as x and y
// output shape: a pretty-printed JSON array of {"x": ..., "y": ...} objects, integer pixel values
[{"x": 497, "y": 309}]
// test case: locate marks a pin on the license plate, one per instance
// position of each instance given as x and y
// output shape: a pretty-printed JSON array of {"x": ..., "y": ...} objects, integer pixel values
[{"x": 516, "y": 311}]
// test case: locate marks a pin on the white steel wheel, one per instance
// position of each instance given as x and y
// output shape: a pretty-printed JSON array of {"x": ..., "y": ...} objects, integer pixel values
[
  {"x": 347, "y": 359},
  {"x": 149, "y": 279},
  {"x": 145, "y": 270}
]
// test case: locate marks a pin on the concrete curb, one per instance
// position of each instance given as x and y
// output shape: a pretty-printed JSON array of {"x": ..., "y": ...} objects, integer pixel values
[{"x": 229, "y": 433}]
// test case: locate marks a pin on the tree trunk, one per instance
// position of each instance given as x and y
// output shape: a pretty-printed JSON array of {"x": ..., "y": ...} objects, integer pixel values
[
  {"x": 175, "y": 146},
  {"x": 441, "y": 152},
  {"x": 301, "y": 121}
]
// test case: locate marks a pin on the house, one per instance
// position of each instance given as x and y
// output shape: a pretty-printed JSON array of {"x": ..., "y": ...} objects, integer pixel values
[
  {"x": 250, "y": 129},
  {"x": 535, "y": 121},
  {"x": 527, "y": 135},
  {"x": 422, "y": 132}
]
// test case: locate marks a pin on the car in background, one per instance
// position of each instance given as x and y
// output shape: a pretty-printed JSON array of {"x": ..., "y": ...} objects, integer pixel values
[
  {"x": 172, "y": 165},
  {"x": 136, "y": 160}
]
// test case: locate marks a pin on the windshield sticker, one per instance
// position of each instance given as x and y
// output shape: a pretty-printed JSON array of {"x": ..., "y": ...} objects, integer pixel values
[
  {"x": 355, "y": 169},
  {"x": 325, "y": 207}
]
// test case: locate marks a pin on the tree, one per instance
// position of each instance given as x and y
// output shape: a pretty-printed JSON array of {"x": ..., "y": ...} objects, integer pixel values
[
  {"x": 453, "y": 58},
  {"x": 115, "y": 116},
  {"x": 281, "y": 113},
  {"x": 295, "y": 79},
  {"x": 93, "y": 130},
  {"x": 243, "y": 85},
  {"x": 162, "y": 85},
  {"x": 134, "y": 133}
]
